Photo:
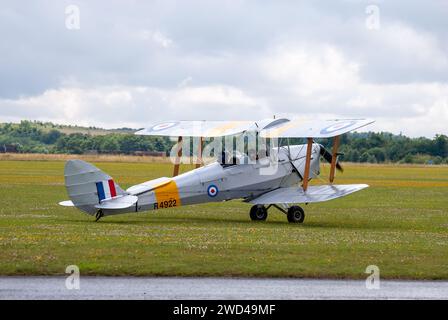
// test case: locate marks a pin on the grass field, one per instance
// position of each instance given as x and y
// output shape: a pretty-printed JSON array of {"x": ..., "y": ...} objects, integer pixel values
[{"x": 399, "y": 224}]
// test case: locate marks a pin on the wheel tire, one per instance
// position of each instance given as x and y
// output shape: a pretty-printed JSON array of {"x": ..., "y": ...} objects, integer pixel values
[
  {"x": 258, "y": 213},
  {"x": 295, "y": 214}
]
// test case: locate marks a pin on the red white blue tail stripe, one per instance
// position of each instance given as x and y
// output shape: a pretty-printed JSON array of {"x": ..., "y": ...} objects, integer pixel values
[{"x": 106, "y": 189}]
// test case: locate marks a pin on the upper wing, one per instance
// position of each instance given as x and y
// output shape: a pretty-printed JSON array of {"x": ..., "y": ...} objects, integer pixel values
[
  {"x": 268, "y": 128},
  {"x": 313, "y": 128},
  {"x": 199, "y": 128},
  {"x": 313, "y": 194}
]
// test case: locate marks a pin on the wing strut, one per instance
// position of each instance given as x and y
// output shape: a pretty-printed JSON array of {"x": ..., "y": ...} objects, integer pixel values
[
  {"x": 178, "y": 155},
  {"x": 200, "y": 147},
  {"x": 306, "y": 176},
  {"x": 334, "y": 157}
]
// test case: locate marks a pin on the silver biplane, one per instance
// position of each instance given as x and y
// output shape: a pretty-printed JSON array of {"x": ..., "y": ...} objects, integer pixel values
[{"x": 271, "y": 176}]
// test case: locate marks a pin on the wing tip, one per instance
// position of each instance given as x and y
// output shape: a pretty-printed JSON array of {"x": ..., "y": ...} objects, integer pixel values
[{"x": 66, "y": 203}]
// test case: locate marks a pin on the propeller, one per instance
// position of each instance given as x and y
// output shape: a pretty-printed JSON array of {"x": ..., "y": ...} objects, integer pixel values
[{"x": 327, "y": 155}]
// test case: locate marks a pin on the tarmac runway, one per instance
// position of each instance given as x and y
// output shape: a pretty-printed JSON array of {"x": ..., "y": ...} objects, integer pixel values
[{"x": 172, "y": 288}]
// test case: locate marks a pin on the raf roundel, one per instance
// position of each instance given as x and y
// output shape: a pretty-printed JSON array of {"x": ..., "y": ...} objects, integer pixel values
[
  {"x": 164, "y": 125},
  {"x": 212, "y": 191}
]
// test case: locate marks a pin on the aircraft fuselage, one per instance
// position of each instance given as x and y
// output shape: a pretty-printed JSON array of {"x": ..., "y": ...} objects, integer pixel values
[{"x": 215, "y": 182}]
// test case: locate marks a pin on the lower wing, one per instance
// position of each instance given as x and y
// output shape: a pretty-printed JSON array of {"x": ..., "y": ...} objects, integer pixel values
[{"x": 313, "y": 194}]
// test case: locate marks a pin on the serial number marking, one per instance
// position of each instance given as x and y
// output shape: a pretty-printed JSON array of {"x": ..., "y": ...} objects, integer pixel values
[{"x": 165, "y": 204}]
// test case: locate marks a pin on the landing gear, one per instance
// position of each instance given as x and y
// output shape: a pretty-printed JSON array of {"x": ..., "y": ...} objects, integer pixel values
[
  {"x": 295, "y": 214},
  {"x": 99, "y": 215},
  {"x": 258, "y": 213}
]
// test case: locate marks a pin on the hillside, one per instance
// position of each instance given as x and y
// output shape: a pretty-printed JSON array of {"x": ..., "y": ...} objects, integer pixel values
[
  {"x": 69, "y": 129},
  {"x": 40, "y": 137}
]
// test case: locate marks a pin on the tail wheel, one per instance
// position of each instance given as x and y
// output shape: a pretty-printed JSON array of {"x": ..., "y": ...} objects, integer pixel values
[
  {"x": 295, "y": 214},
  {"x": 258, "y": 213}
]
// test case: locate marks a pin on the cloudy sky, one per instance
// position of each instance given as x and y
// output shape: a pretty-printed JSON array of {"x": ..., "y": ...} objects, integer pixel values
[{"x": 127, "y": 63}]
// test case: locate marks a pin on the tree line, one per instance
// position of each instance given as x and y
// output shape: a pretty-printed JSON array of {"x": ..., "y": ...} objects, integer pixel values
[
  {"x": 29, "y": 137},
  {"x": 384, "y": 147},
  {"x": 371, "y": 147}
]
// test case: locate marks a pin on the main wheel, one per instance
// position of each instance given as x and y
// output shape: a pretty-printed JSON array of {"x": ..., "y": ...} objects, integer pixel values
[
  {"x": 258, "y": 213},
  {"x": 295, "y": 214}
]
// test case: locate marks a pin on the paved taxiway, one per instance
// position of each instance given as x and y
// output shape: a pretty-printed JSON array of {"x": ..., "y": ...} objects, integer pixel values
[{"x": 215, "y": 288}]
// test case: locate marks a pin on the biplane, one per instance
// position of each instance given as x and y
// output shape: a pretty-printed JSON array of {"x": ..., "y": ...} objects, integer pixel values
[{"x": 270, "y": 175}]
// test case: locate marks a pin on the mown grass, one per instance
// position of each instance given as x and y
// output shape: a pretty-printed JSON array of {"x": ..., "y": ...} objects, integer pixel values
[{"x": 399, "y": 224}]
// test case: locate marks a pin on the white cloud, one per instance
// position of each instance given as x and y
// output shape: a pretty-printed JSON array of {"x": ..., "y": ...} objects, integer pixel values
[
  {"x": 156, "y": 37},
  {"x": 400, "y": 53},
  {"x": 411, "y": 46},
  {"x": 119, "y": 106},
  {"x": 308, "y": 70},
  {"x": 320, "y": 80},
  {"x": 414, "y": 109},
  {"x": 213, "y": 95}
]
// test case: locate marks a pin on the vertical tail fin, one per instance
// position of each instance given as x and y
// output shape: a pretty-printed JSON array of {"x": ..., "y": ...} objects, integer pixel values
[{"x": 87, "y": 185}]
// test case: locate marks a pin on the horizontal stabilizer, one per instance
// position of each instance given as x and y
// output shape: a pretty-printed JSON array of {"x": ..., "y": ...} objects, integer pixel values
[
  {"x": 313, "y": 194},
  {"x": 148, "y": 186},
  {"x": 121, "y": 202}
]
